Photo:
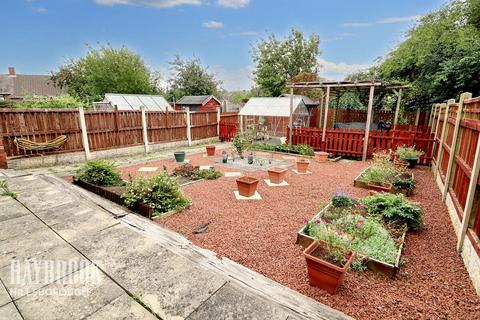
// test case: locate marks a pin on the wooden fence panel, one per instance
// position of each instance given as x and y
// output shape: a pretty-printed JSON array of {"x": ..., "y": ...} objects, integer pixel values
[
  {"x": 39, "y": 125},
  {"x": 230, "y": 117},
  {"x": 203, "y": 124},
  {"x": 164, "y": 127}
]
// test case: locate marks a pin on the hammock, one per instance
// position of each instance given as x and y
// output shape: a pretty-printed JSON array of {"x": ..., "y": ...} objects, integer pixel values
[{"x": 40, "y": 146}]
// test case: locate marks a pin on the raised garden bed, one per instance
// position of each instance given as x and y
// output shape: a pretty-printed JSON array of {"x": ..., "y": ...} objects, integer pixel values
[
  {"x": 359, "y": 183},
  {"x": 390, "y": 269},
  {"x": 115, "y": 193}
]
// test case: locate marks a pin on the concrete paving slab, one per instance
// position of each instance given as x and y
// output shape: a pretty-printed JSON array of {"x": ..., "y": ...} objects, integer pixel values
[
  {"x": 147, "y": 169},
  {"x": 234, "y": 302},
  {"x": 271, "y": 184},
  {"x": 11, "y": 208},
  {"x": 9, "y": 312},
  {"x": 233, "y": 174},
  {"x": 4, "y": 296},
  {"x": 85, "y": 293},
  {"x": 172, "y": 286},
  {"x": 28, "y": 246},
  {"x": 296, "y": 171},
  {"x": 46, "y": 268},
  {"x": 256, "y": 196},
  {"x": 122, "y": 308},
  {"x": 205, "y": 167},
  {"x": 22, "y": 225}
]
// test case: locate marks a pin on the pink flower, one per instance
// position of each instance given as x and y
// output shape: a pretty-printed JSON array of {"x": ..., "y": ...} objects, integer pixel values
[
  {"x": 348, "y": 256},
  {"x": 358, "y": 227},
  {"x": 317, "y": 221},
  {"x": 305, "y": 220}
]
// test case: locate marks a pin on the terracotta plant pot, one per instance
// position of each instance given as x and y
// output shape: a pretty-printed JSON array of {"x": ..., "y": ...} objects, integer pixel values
[
  {"x": 277, "y": 175},
  {"x": 380, "y": 188},
  {"x": 210, "y": 151},
  {"x": 247, "y": 186},
  {"x": 321, "y": 156},
  {"x": 302, "y": 165},
  {"x": 323, "y": 274}
]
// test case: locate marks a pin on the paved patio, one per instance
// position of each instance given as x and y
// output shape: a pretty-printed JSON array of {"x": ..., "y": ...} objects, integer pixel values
[{"x": 121, "y": 266}]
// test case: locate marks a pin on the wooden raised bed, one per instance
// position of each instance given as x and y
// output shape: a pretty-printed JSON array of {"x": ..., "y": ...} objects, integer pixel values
[
  {"x": 114, "y": 194},
  {"x": 373, "y": 264},
  {"x": 357, "y": 182}
]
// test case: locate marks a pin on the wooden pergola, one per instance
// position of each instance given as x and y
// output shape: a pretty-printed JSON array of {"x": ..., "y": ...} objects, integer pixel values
[{"x": 329, "y": 86}]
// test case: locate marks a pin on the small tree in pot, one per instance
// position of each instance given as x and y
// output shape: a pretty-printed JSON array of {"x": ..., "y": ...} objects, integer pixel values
[
  {"x": 239, "y": 143},
  {"x": 409, "y": 154}
]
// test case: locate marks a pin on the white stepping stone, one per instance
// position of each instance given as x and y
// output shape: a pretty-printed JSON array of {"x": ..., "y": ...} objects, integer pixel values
[
  {"x": 148, "y": 169},
  {"x": 206, "y": 167},
  {"x": 271, "y": 184},
  {"x": 256, "y": 196},
  {"x": 233, "y": 174},
  {"x": 296, "y": 171}
]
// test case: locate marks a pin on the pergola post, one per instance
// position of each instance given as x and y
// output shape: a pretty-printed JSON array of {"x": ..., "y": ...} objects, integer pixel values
[
  {"x": 290, "y": 120},
  {"x": 397, "y": 108},
  {"x": 325, "y": 118},
  {"x": 369, "y": 120},
  {"x": 417, "y": 117},
  {"x": 320, "y": 111}
]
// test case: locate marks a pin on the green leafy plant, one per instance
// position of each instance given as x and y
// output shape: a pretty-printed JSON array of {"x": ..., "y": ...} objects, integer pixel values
[
  {"x": 305, "y": 150},
  {"x": 100, "y": 172},
  {"x": 382, "y": 171},
  {"x": 208, "y": 174},
  {"x": 342, "y": 200},
  {"x": 395, "y": 208},
  {"x": 404, "y": 183},
  {"x": 185, "y": 170},
  {"x": 239, "y": 143},
  {"x": 408, "y": 152},
  {"x": 301, "y": 149},
  {"x": 6, "y": 190},
  {"x": 161, "y": 193}
]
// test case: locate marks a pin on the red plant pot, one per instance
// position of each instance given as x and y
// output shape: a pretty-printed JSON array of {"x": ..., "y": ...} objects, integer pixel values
[
  {"x": 323, "y": 274},
  {"x": 302, "y": 165},
  {"x": 277, "y": 175},
  {"x": 210, "y": 151},
  {"x": 247, "y": 186}
]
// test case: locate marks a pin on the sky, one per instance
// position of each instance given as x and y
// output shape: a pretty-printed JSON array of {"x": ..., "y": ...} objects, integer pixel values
[{"x": 40, "y": 35}]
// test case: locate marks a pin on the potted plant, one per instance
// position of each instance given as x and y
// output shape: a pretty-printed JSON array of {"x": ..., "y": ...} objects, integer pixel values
[
  {"x": 277, "y": 175},
  {"x": 179, "y": 156},
  {"x": 210, "y": 150},
  {"x": 327, "y": 263},
  {"x": 302, "y": 165},
  {"x": 409, "y": 154},
  {"x": 239, "y": 144},
  {"x": 247, "y": 186}
]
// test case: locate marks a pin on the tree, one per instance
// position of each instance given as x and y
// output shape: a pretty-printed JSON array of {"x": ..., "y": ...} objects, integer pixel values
[
  {"x": 190, "y": 78},
  {"x": 440, "y": 57},
  {"x": 278, "y": 60},
  {"x": 106, "y": 70}
]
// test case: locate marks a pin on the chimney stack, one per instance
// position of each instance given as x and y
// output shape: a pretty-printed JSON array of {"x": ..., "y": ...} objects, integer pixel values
[{"x": 11, "y": 71}]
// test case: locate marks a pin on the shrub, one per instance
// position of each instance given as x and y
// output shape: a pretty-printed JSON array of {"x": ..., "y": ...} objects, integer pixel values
[
  {"x": 301, "y": 149},
  {"x": 404, "y": 183},
  {"x": 382, "y": 171},
  {"x": 239, "y": 143},
  {"x": 342, "y": 200},
  {"x": 305, "y": 150},
  {"x": 408, "y": 152},
  {"x": 395, "y": 208},
  {"x": 161, "y": 193},
  {"x": 185, "y": 170},
  {"x": 100, "y": 172},
  {"x": 208, "y": 174}
]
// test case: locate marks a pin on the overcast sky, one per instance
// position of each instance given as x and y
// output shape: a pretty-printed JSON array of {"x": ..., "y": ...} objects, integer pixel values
[{"x": 39, "y": 35}]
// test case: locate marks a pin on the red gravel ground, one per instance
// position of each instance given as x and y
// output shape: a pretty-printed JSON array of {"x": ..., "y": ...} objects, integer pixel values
[{"x": 433, "y": 284}]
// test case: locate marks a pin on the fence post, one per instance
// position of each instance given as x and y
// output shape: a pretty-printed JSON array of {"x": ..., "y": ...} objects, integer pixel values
[
  {"x": 439, "y": 108},
  {"x": 442, "y": 138},
  {"x": 144, "y": 129},
  {"x": 117, "y": 126},
  {"x": 83, "y": 128},
  {"x": 218, "y": 122},
  {"x": 369, "y": 120},
  {"x": 189, "y": 133},
  {"x": 432, "y": 118},
  {"x": 453, "y": 148},
  {"x": 325, "y": 117},
  {"x": 417, "y": 117}
]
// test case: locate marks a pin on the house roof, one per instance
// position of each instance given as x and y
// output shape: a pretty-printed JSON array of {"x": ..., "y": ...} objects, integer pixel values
[
  {"x": 196, "y": 100},
  {"x": 306, "y": 100},
  {"x": 135, "y": 101},
  {"x": 273, "y": 107},
  {"x": 21, "y": 85}
]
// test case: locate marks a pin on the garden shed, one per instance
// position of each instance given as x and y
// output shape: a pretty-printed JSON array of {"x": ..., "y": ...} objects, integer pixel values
[{"x": 274, "y": 114}]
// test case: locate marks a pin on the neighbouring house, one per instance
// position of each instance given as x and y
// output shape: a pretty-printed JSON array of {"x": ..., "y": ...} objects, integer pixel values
[
  {"x": 274, "y": 113},
  {"x": 15, "y": 86},
  {"x": 133, "y": 102},
  {"x": 198, "y": 103}
]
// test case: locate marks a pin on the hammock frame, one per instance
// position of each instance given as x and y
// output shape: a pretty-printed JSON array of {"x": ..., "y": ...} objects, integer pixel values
[{"x": 29, "y": 145}]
